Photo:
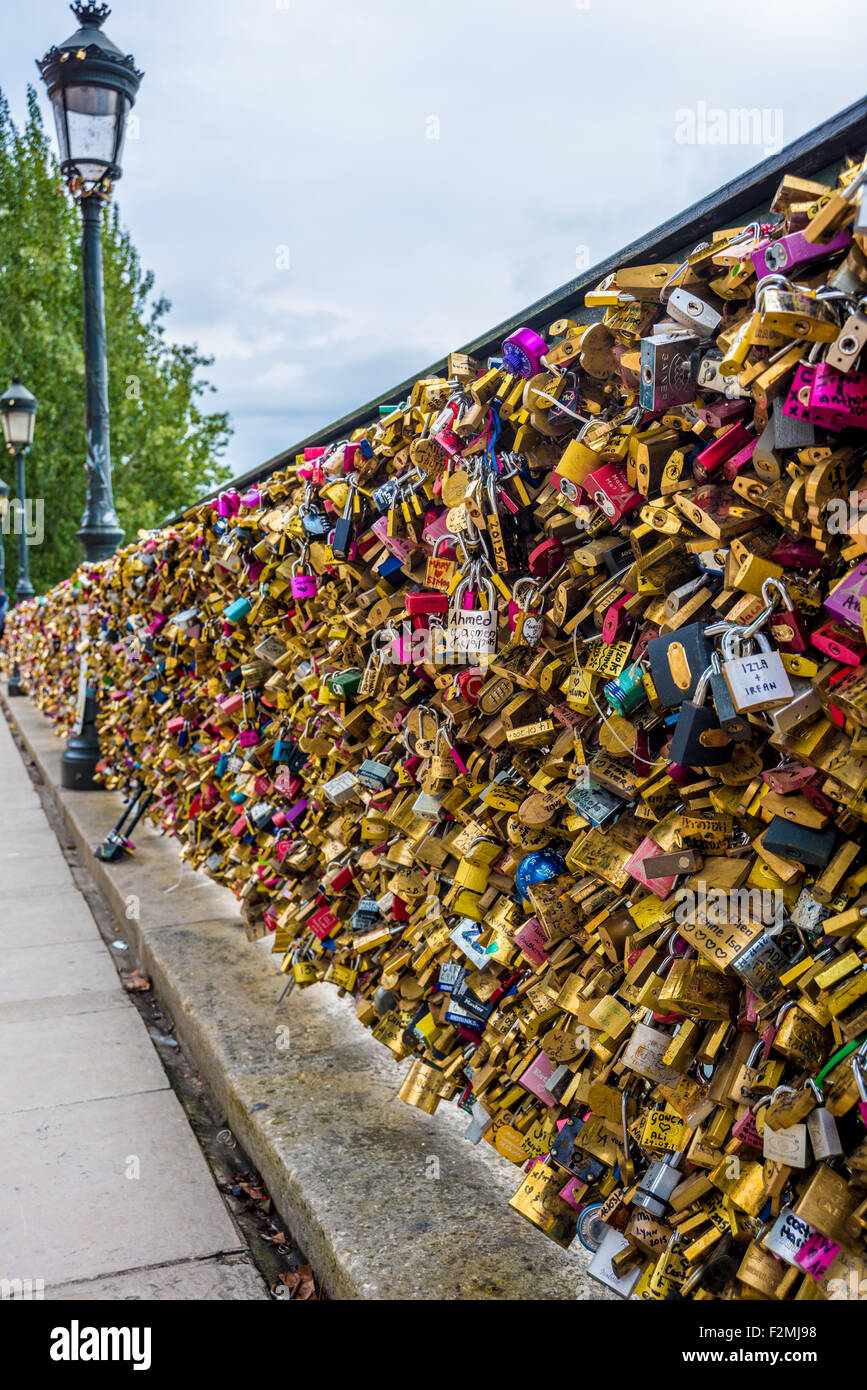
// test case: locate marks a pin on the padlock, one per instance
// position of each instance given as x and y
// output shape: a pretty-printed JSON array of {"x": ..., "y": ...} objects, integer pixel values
[
  {"x": 699, "y": 740},
  {"x": 757, "y": 681},
  {"x": 736, "y": 725},
  {"x": 822, "y": 1128},
  {"x": 786, "y": 627},
  {"x": 424, "y": 784}
]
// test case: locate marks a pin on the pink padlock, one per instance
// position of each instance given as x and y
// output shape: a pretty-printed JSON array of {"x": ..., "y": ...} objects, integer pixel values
[
  {"x": 737, "y": 462},
  {"x": 817, "y": 1254},
  {"x": 744, "y": 1129},
  {"x": 840, "y": 396},
  {"x": 302, "y": 585},
  {"x": 436, "y": 528},
  {"x": 797, "y": 402},
  {"x": 393, "y": 544}
]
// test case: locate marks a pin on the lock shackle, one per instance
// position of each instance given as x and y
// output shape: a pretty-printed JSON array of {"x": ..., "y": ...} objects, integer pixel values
[
  {"x": 758, "y": 622},
  {"x": 528, "y": 582},
  {"x": 446, "y": 538},
  {"x": 773, "y": 586},
  {"x": 701, "y": 686},
  {"x": 759, "y": 1048},
  {"x": 778, "y": 1090},
  {"x": 771, "y": 282}
]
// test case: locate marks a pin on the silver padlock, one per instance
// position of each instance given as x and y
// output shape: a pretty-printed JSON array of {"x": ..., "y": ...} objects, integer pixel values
[
  {"x": 789, "y": 1145},
  {"x": 804, "y": 703},
  {"x": 822, "y": 1128},
  {"x": 757, "y": 681},
  {"x": 655, "y": 1188},
  {"x": 669, "y": 368},
  {"x": 760, "y": 965},
  {"x": 693, "y": 313}
]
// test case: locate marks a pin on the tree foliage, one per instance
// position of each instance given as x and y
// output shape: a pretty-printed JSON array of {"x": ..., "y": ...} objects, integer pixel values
[{"x": 166, "y": 446}]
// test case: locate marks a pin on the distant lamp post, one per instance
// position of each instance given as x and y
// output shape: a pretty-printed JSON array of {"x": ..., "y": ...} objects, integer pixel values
[
  {"x": 4, "y": 509},
  {"x": 18, "y": 417},
  {"x": 92, "y": 87}
]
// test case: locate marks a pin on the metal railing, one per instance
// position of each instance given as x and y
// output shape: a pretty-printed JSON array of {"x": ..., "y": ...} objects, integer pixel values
[{"x": 818, "y": 153}]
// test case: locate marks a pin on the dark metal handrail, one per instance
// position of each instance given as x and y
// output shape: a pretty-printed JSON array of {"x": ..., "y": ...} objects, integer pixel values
[{"x": 745, "y": 198}]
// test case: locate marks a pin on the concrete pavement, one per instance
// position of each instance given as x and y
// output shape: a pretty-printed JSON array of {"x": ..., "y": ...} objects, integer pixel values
[{"x": 104, "y": 1191}]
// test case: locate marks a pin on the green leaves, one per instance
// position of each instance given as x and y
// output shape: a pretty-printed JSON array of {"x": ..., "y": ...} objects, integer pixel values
[{"x": 166, "y": 447}]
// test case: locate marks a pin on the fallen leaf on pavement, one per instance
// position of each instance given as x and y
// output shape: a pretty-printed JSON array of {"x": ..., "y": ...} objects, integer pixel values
[{"x": 137, "y": 980}]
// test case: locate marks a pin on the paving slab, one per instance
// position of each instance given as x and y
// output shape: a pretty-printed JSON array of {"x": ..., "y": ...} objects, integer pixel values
[
  {"x": 39, "y": 844},
  {"x": 223, "y": 1278},
  {"x": 72, "y": 967},
  {"x": 96, "y": 1001},
  {"x": 21, "y": 878},
  {"x": 37, "y": 922},
  {"x": 387, "y": 1202},
  {"x": 69, "y": 1203},
  {"x": 73, "y": 1058},
  {"x": 20, "y": 819}
]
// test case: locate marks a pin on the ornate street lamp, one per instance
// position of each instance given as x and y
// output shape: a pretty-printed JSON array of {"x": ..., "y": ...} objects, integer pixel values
[
  {"x": 18, "y": 416},
  {"x": 92, "y": 86}
]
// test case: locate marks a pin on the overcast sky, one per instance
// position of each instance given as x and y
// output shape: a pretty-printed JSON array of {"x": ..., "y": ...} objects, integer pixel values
[{"x": 332, "y": 194}]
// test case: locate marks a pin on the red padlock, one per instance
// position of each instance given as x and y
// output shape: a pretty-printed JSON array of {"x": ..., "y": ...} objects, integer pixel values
[
  {"x": 610, "y": 490},
  {"x": 617, "y": 621},
  {"x": 545, "y": 559},
  {"x": 787, "y": 627}
]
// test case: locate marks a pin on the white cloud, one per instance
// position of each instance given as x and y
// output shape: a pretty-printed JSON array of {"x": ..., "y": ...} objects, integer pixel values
[{"x": 304, "y": 126}]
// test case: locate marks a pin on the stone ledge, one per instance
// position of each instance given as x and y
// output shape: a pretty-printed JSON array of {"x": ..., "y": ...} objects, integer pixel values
[{"x": 387, "y": 1202}]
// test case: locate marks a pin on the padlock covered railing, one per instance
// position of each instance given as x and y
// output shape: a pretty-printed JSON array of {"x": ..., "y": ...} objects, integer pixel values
[{"x": 533, "y": 718}]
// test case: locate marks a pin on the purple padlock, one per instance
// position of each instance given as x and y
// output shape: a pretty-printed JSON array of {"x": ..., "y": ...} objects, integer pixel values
[
  {"x": 248, "y": 738},
  {"x": 523, "y": 351},
  {"x": 844, "y": 601},
  {"x": 792, "y": 252}
]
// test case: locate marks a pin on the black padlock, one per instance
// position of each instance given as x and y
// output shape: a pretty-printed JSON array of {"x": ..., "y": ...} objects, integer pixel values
[
  {"x": 677, "y": 661},
  {"x": 341, "y": 537},
  {"x": 698, "y": 739},
  {"x": 316, "y": 524},
  {"x": 736, "y": 725},
  {"x": 802, "y": 843}
]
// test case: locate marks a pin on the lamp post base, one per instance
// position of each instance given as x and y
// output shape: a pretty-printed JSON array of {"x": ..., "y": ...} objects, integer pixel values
[
  {"x": 99, "y": 542},
  {"x": 15, "y": 687},
  {"x": 78, "y": 764}
]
